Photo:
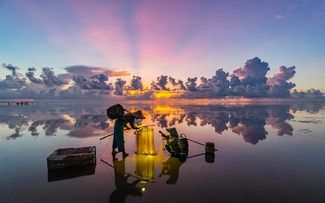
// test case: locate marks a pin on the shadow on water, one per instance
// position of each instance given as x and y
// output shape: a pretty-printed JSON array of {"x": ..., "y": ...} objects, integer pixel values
[{"x": 70, "y": 173}]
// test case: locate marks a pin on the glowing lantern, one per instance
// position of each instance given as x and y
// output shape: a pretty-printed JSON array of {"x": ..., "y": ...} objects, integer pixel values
[{"x": 145, "y": 142}]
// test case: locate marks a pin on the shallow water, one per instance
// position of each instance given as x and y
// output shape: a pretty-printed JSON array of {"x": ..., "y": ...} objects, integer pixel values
[{"x": 266, "y": 153}]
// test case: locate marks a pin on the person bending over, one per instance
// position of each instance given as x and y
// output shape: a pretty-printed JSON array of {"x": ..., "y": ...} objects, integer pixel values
[{"x": 120, "y": 123}]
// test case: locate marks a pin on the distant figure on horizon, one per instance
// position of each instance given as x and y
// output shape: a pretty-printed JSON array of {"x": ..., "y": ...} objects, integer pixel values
[{"x": 120, "y": 123}]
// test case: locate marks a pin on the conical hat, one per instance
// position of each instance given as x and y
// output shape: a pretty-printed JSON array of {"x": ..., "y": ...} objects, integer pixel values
[
  {"x": 138, "y": 114},
  {"x": 172, "y": 131}
]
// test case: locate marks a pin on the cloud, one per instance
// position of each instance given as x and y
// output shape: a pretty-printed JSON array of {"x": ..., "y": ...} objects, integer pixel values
[
  {"x": 312, "y": 93},
  {"x": 253, "y": 68},
  {"x": 191, "y": 84},
  {"x": 30, "y": 76},
  {"x": 31, "y": 69},
  {"x": 11, "y": 68},
  {"x": 15, "y": 135},
  {"x": 279, "y": 87},
  {"x": 162, "y": 82},
  {"x": 119, "y": 86},
  {"x": 50, "y": 79},
  {"x": 88, "y": 71},
  {"x": 13, "y": 83},
  {"x": 247, "y": 121},
  {"x": 71, "y": 92},
  {"x": 285, "y": 73},
  {"x": 147, "y": 95},
  {"x": 179, "y": 85},
  {"x": 136, "y": 83},
  {"x": 248, "y": 81},
  {"x": 251, "y": 132},
  {"x": 99, "y": 82},
  {"x": 96, "y": 121}
]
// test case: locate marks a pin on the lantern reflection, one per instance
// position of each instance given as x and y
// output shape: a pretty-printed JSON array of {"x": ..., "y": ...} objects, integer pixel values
[{"x": 145, "y": 167}]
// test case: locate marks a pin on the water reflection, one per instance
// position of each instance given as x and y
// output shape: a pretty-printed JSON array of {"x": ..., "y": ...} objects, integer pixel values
[
  {"x": 123, "y": 187},
  {"x": 69, "y": 173},
  {"x": 171, "y": 168},
  {"x": 84, "y": 121}
]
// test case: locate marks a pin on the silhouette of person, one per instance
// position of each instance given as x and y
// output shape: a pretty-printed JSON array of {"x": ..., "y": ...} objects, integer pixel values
[
  {"x": 120, "y": 123},
  {"x": 123, "y": 188},
  {"x": 172, "y": 143}
]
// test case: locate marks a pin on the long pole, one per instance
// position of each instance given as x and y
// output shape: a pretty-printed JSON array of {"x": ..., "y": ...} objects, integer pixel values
[
  {"x": 196, "y": 142},
  {"x": 199, "y": 143},
  {"x": 106, "y": 136}
]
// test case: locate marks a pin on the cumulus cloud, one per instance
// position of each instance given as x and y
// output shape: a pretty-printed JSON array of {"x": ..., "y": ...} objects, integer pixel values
[
  {"x": 279, "y": 87},
  {"x": 99, "y": 82},
  {"x": 12, "y": 82},
  {"x": 312, "y": 93},
  {"x": 253, "y": 68},
  {"x": 30, "y": 76},
  {"x": 119, "y": 86},
  {"x": 179, "y": 85},
  {"x": 50, "y": 79},
  {"x": 247, "y": 81},
  {"x": 285, "y": 73},
  {"x": 136, "y": 83},
  {"x": 191, "y": 84},
  {"x": 160, "y": 83}
]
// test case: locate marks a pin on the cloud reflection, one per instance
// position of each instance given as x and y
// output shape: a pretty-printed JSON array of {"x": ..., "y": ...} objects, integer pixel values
[{"x": 86, "y": 120}]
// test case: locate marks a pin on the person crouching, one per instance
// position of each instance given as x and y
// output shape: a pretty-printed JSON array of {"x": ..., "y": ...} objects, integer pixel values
[{"x": 172, "y": 142}]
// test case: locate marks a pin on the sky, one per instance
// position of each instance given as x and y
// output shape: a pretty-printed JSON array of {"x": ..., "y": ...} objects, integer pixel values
[{"x": 64, "y": 42}]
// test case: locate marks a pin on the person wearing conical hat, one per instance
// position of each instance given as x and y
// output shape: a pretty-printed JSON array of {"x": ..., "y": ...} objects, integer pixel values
[{"x": 120, "y": 123}]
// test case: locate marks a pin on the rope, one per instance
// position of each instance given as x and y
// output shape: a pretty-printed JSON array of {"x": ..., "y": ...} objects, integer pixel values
[{"x": 100, "y": 155}]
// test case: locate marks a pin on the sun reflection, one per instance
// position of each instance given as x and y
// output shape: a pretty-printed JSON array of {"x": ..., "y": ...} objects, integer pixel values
[{"x": 136, "y": 92}]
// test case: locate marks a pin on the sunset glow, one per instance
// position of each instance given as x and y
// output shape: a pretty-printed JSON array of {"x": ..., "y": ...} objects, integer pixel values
[
  {"x": 165, "y": 94},
  {"x": 107, "y": 49}
]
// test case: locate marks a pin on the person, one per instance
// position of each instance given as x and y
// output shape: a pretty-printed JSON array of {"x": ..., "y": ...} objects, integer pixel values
[
  {"x": 120, "y": 123},
  {"x": 172, "y": 142}
]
